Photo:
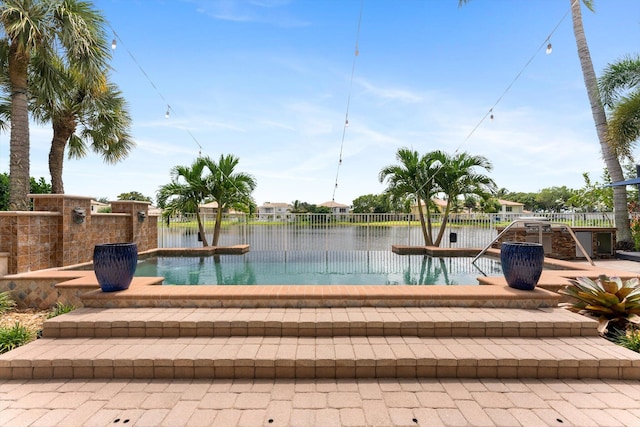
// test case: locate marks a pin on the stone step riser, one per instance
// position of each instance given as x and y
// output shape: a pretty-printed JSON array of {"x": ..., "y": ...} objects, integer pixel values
[
  {"x": 310, "y": 371},
  {"x": 344, "y": 357},
  {"x": 427, "y": 322},
  {"x": 243, "y": 329}
]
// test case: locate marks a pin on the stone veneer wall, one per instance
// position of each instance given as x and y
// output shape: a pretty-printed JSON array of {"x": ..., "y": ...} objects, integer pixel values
[
  {"x": 562, "y": 244},
  {"x": 40, "y": 293},
  {"x": 49, "y": 237},
  {"x": 30, "y": 239}
]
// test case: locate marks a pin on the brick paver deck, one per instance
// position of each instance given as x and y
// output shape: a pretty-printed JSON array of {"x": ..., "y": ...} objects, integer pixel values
[
  {"x": 364, "y": 402},
  {"x": 349, "y": 363}
]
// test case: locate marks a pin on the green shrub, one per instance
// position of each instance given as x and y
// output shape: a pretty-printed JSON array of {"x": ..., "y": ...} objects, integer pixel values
[
  {"x": 16, "y": 336},
  {"x": 6, "y": 302},
  {"x": 609, "y": 299},
  {"x": 61, "y": 309},
  {"x": 629, "y": 338}
]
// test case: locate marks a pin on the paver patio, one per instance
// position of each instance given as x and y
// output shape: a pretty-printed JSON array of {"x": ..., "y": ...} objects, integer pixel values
[{"x": 378, "y": 397}]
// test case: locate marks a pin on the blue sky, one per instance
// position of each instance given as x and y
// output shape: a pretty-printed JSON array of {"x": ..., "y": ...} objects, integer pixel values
[{"x": 269, "y": 81}]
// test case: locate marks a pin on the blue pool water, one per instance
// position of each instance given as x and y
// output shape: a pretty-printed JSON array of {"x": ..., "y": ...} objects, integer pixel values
[{"x": 318, "y": 268}]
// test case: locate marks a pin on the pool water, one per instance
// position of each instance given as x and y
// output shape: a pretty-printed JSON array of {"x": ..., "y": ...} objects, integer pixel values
[{"x": 318, "y": 268}]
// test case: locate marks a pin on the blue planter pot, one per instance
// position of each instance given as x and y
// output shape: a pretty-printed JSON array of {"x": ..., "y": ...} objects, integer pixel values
[
  {"x": 114, "y": 265},
  {"x": 522, "y": 264}
]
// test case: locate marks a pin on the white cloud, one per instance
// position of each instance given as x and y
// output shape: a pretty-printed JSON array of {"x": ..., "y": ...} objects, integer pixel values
[
  {"x": 272, "y": 12},
  {"x": 389, "y": 93}
]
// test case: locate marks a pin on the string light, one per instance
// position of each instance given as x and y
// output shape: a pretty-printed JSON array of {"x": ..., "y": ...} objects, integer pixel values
[
  {"x": 133, "y": 58},
  {"x": 489, "y": 113},
  {"x": 113, "y": 44},
  {"x": 346, "y": 116},
  {"x": 168, "y": 112}
]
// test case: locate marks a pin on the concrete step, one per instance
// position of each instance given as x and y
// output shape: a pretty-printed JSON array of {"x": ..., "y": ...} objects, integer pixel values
[
  {"x": 319, "y": 322},
  {"x": 320, "y": 357}
]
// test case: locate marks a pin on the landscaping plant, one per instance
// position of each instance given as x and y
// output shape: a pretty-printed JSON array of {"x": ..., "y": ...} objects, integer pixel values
[
  {"x": 16, "y": 336},
  {"x": 61, "y": 309},
  {"x": 629, "y": 339},
  {"x": 6, "y": 302},
  {"x": 615, "y": 303}
]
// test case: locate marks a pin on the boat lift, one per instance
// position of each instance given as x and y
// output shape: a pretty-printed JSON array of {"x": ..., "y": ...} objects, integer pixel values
[{"x": 541, "y": 225}]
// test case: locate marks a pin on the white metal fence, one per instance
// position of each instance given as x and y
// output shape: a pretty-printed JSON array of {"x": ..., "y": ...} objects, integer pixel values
[{"x": 351, "y": 232}]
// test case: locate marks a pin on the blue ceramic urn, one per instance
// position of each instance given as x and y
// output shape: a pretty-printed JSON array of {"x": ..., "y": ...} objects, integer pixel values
[
  {"x": 114, "y": 265},
  {"x": 522, "y": 264}
]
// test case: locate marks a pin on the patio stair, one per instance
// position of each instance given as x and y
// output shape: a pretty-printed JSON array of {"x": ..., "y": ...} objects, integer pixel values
[{"x": 340, "y": 342}]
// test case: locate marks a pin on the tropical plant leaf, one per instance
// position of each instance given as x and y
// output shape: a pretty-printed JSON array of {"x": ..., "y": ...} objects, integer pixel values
[
  {"x": 625, "y": 292},
  {"x": 598, "y": 309},
  {"x": 603, "y": 323},
  {"x": 610, "y": 299},
  {"x": 610, "y": 286}
]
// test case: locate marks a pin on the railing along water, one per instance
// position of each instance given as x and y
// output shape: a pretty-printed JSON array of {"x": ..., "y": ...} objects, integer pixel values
[{"x": 349, "y": 232}]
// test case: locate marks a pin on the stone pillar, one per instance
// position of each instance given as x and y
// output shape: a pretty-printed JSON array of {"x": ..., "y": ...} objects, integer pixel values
[
  {"x": 143, "y": 229},
  {"x": 73, "y": 227}
]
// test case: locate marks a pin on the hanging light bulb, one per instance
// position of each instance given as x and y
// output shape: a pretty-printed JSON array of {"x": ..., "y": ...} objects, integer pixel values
[
  {"x": 113, "y": 44},
  {"x": 491, "y": 116},
  {"x": 346, "y": 123},
  {"x": 549, "y": 49},
  {"x": 166, "y": 115}
]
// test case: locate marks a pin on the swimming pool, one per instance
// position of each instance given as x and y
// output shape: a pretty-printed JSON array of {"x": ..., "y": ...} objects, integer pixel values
[{"x": 318, "y": 268}]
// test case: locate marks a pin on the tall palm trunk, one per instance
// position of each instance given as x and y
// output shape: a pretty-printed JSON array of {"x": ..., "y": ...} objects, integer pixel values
[
  {"x": 217, "y": 227},
  {"x": 62, "y": 131},
  {"x": 443, "y": 224},
  {"x": 203, "y": 236},
  {"x": 19, "y": 177},
  {"x": 623, "y": 230},
  {"x": 425, "y": 234}
]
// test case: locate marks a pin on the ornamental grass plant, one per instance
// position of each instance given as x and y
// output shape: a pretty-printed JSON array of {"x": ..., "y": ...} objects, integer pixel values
[
  {"x": 13, "y": 337},
  {"x": 6, "y": 302},
  {"x": 61, "y": 308},
  {"x": 629, "y": 339}
]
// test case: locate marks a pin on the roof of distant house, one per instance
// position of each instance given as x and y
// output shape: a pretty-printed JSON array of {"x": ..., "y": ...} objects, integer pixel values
[
  {"x": 212, "y": 205},
  {"x": 509, "y": 203},
  {"x": 275, "y": 205},
  {"x": 332, "y": 204}
]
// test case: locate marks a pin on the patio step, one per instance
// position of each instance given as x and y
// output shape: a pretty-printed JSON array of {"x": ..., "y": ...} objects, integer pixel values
[
  {"x": 341, "y": 342},
  {"x": 320, "y": 357},
  {"x": 319, "y": 322}
]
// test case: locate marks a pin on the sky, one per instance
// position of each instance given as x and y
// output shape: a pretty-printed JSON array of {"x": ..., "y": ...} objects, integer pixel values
[{"x": 272, "y": 82}]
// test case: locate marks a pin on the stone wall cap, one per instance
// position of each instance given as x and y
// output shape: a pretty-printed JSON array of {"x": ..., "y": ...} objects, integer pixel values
[
  {"x": 58, "y": 196},
  {"x": 97, "y": 214},
  {"x": 130, "y": 201},
  {"x": 29, "y": 213}
]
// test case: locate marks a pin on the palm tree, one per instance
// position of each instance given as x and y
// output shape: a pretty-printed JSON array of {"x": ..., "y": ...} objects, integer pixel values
[
  {"x": 623, "y": 229},
  {"x": 412, "y": 178},
  {"x": 80, "y": 111},
  {"x": 621, "y": 213},
  {"x": 620, "y": 90},
  {"x": 226, "y": 187},
  {"x": 46, "y": 27},
  {"x": 457, "y": 176},
  {"x": 188, "y": 187}
]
